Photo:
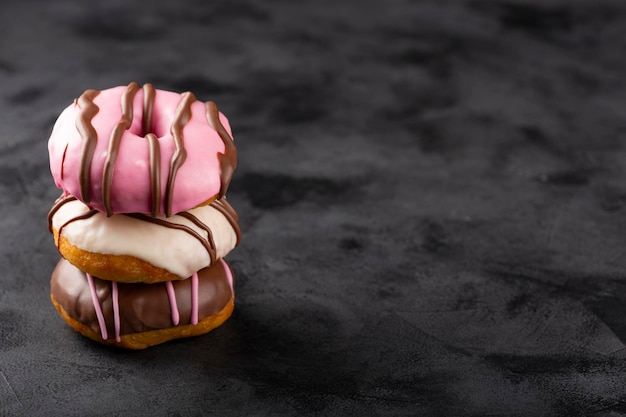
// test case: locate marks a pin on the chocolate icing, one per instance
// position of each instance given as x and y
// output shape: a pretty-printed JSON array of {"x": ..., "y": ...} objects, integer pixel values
[
  {"x": 114, "y": 143},
  {"x": 181, "y": 117},
  {"x": 89, "y": 137},
  {"x": 142, "y": 307}
]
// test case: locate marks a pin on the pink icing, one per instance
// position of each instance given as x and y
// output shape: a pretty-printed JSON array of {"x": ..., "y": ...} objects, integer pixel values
[
  {"x": 96, "y": 305},
  {"x": 229, "y": 274},
  {"x": 197, "y": 180},
  {"x": 173, "y": 306},
  {"x": 194, "y": 298}
]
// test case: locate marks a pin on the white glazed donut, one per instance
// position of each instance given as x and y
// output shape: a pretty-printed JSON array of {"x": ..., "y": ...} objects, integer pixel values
[{"x": 140, "y": 248}]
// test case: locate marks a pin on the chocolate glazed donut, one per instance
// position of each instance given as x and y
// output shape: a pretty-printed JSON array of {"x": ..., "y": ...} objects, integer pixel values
[{"x": 136, "y": 316}]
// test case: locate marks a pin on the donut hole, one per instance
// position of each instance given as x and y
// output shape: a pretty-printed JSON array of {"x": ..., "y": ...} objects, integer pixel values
[
  {"x": 136, "y": 129},
  {"x": 158, "y": 120},
  {"x": 159, "y": 125}
]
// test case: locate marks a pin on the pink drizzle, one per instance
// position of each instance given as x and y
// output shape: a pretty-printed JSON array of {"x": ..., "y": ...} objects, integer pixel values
[
  {"x": 229, "y": 274},
  {"x": 173, "y": 306},
  {"x": 116, "y": 311},
  {"x": 96, "y": 305},
  {"x": 170, "y": 293},
  {"x": 194, "y": 298}
]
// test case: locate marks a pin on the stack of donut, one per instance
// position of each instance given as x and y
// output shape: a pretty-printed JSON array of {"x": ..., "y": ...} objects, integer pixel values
[{"x": 143, "y": 223}]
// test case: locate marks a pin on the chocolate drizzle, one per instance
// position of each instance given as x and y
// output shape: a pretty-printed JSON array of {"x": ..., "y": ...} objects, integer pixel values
[
  {"x": 89, "y": 137},
  {"x": 181, "y": 117},
  {"x": 154, "y": 147},
  {"x": 148, "y": 104},
  {"x": 208, "y": 243},
  {"x": 223, "y": 206},
  {"x": 114, "y": 143},
  {"x": 155, "y": 173},
  {"x": 85, "y": 216},
  {"x": 60, "y": 202},
  {"x": 63, "y": 159},
  {"x": 209, "y": 239},
  {"x": 228, "y": 159}
]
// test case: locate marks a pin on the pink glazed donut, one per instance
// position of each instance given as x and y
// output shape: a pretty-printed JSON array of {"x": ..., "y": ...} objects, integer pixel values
[{"x": 140, "y": 150}]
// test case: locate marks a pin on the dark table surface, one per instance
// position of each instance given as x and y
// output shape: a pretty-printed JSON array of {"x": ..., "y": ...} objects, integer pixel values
[{"x": 432, "y": 194}]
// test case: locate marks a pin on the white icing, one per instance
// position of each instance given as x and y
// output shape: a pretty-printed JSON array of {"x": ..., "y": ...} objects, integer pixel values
[{"x": 173, "y": 250}]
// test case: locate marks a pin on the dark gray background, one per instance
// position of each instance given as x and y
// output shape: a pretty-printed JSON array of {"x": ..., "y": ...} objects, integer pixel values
[{"x": 432, "y": 194}]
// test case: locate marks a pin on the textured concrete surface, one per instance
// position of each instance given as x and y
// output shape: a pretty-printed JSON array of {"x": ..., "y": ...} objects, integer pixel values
[{"x": 432, "y": 193}]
